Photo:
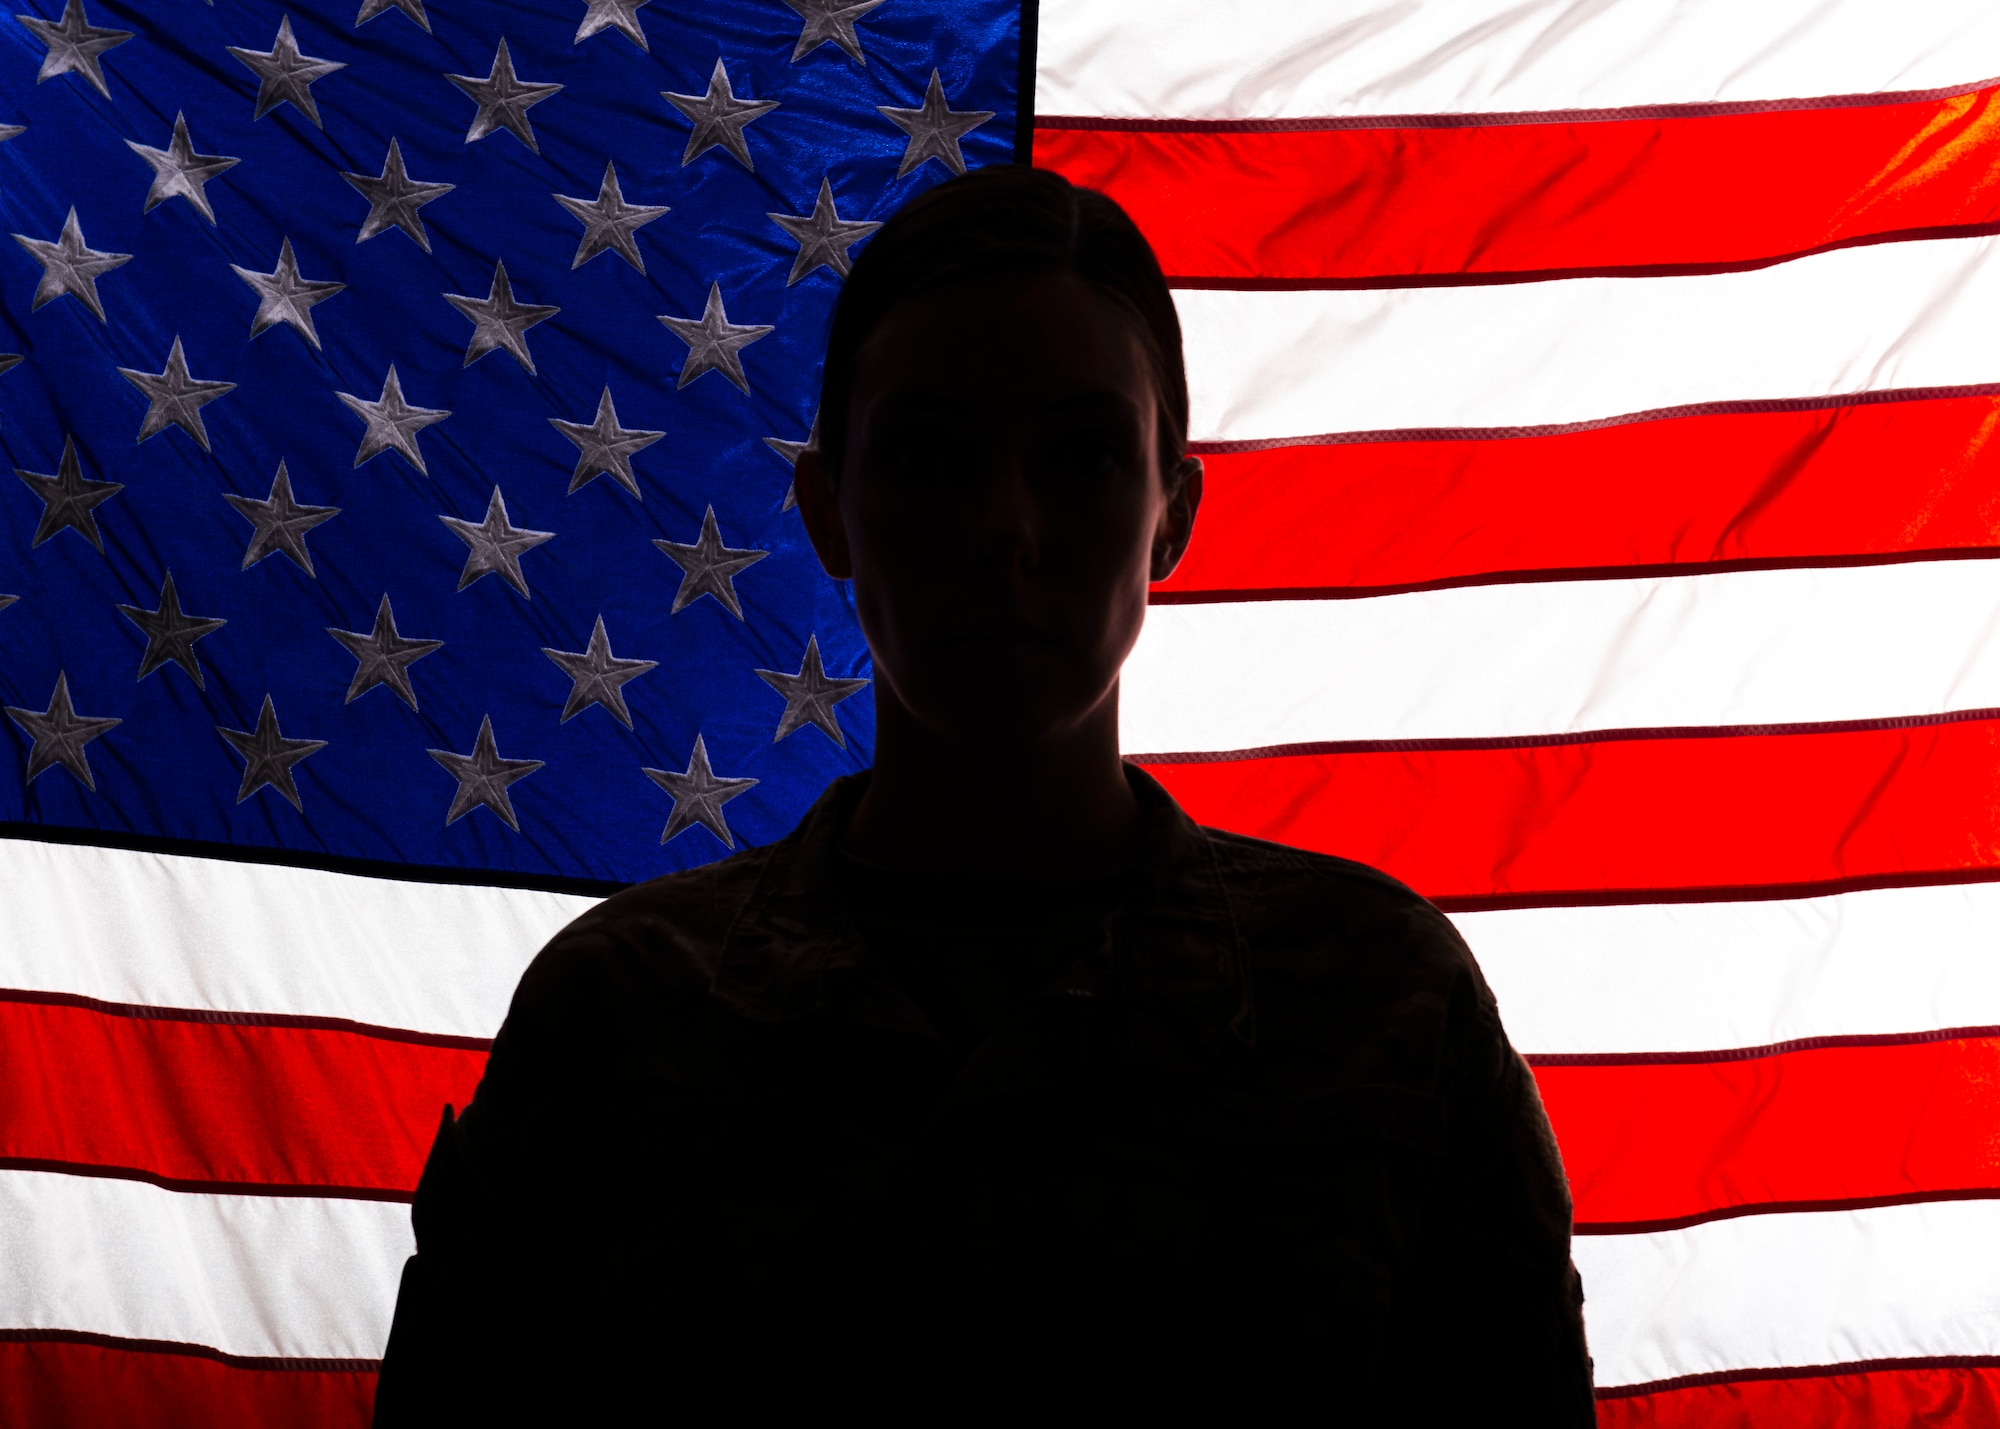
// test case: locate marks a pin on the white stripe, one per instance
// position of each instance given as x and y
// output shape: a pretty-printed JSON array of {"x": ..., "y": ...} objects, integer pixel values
[
  {"x": 1694, "y": 977},
  {"x": 1256, "y": 59},
  {"x": 1764, "y": 1292},
  {"x": 248, "y": 1275},
  {"x": 1740, "y": 648},
  {"x": 1265, "y": 365},
  {"x": 169, "y": 931}
]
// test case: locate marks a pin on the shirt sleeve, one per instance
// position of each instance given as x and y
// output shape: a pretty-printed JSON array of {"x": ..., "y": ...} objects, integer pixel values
[{"x": 1516, "y": 1297}]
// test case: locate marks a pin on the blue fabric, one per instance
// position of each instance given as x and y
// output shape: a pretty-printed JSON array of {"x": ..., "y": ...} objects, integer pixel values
[{"x": 374, "y": 792}]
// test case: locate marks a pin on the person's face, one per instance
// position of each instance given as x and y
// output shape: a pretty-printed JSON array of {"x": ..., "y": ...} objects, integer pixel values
[{"x": 1002, "y": 507}]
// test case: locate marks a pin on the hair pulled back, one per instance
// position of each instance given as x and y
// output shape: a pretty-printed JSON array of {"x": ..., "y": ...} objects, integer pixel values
[{"x": 1005, "y": 221}]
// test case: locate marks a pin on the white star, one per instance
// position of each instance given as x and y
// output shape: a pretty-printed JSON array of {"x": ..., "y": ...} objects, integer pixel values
[
  {"x": 60, "y": 734},
  {"x": 503, "y": 100},
  {"x": 284, "y": 76},
  {"x": 170, "y": 633},
  {"x": 498, "y": 322},
  {"x": 284, "y": 297},
  {"x": 709, "y": 568},
  {"x": 714, "y": 342},
  {"x": 790, "y": 452},
  {"x": 394, "y": 198},
  {"x": 596, "y": 677},
  {"x": 619, "y": 15},
  {"x": 935, "y": 129},
  {"x": 810, "y": 695},
  {"x": 74, "y": 45},
  {"x": 371, "y": 8},
  {"x": 179, "y": 172},
  {"x": 268, "y": 756},
  {"x": 383, "y": 656},
  {"x": 829, "y": 22},
  {"x": 496, "y": 545},
  {"x": 603, "y": 448},
  {"x": 483, "y": 777},
  {"x": 393, "y": 424},
  {"x": 698, "y": 796},
  {"x": 175, "y": 399},
  {"x": 823, "y": 236},
  {"x": 70, "y": 266},
  {"x": 718, "y": 118},
  {"x": 279, "y": 523},
  {"x": 68, "y": 498},
  {"x": 609, "y": 222}
]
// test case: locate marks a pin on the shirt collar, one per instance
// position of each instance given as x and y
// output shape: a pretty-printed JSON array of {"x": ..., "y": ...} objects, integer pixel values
[{"x": 793, "y": 950}]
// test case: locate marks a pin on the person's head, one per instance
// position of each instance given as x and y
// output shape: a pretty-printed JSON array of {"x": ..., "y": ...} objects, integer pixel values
[{"x": 1001, "y": 466}]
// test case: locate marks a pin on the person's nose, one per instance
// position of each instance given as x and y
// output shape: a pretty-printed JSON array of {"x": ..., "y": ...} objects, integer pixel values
[{"x": 1010, "y": 525}]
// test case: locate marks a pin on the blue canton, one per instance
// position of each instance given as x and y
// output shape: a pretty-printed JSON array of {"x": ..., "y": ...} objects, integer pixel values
[{"x": 399, "y": 406}]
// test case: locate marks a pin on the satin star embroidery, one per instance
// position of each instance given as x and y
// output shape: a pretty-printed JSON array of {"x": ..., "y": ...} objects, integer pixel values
[
  {"x": 619, "y": 15},
  {"x": 394, "y": 198},
  {"x": 718, "y": 118},
  {"x": 603, "y": 448},
  {"x": 70, "y": 266},
  {"x": 60, "y": 734},
  {"x": 268, "y": 756},
  {"x": 810, "y": 695},
  {"x": 384, "y": 656},
  {"x": 175, "y": 399},
  {"x": 790, "y": 452},
  {"x": 496, "y": 545},
  {"x": 412, "y": 8},
  {"x": 170, "y": 633},
  {"x": 935, "y": 129},
  {"x": 823, "y": 236},
  {"x": 279, "y": 523},
  {"x": 698, "y": 796},
  {"x": 393, "y": 424},
  {"x": 714, "y": 343},
  {"x": 179, "y": 172},
  {"x": 73, "y": 45},
  {"x": 284, "y": 76},
  {"x": 483, "y": 777},
  {"x": 597, "y": 677},
  {"x": 284, "y": 297},
  {"x": 503, "y": 100},
  {"x": 609, "y": 223},
  {"x": 709, "y": 568},
  {"x": 829, "y": 22},
  {"x": 498, "y": 322},
  {"x": 68, "y": 499}
]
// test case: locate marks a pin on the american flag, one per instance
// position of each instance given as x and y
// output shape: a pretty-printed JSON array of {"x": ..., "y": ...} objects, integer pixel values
[
  {"x": 399, "y": 555},
  {"x": 1600, "y": 409},
  {"x": 1598, "y": 403}
]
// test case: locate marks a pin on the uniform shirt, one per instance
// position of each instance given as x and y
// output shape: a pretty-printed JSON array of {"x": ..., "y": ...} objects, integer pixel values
[{"x": 1242, "y": 1121}]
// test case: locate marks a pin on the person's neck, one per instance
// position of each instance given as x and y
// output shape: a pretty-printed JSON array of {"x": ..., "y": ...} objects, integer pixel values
[{"x": 1056, "y": 812}]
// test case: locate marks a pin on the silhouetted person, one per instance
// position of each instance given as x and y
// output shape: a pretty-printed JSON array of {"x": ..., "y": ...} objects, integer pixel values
[{"x": 998, "y": 1080}]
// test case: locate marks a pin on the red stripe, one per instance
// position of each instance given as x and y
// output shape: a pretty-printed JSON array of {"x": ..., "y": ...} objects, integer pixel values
[
  {"x": 1964, "y": 1396},
  {"x": 1557, "y": 822},
  {"x": 218, "y": 1106},
  {"x": 1717, "y": 489},
  {"x": 50, "y": 1382},
  {"x": 1650, "y": 1146},
  {"x": 1364, "y": 207}
]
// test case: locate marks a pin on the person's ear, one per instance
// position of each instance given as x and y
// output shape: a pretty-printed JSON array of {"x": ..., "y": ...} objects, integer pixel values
[
  {"x": 1176, "y": 524},
  {"x": 819, "y": 505}
]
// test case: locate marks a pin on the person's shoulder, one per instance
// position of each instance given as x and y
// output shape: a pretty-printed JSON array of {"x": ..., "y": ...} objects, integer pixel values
[
  {"x": 1349, "y": 962},
  {"x": 651, "y": 946},
  {"x": 1280, "y": 894}
]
